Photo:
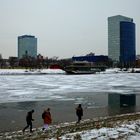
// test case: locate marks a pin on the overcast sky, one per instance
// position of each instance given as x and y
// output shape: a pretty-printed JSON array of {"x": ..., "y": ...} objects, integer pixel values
[{"x": 64, "y": 28}]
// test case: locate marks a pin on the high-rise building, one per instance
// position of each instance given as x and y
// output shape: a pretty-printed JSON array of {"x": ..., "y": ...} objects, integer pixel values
[
  {"x": 121, "y": 39},
  {"x": 27, "y": 46}
]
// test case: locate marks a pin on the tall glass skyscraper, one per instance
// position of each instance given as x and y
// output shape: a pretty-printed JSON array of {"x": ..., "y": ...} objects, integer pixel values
[
  {"x": 27, "y": 46},
  {"x": 121, "y": 39}
]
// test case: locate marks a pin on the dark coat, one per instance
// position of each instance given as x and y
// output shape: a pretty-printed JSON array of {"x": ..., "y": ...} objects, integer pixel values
[
  {"x": 29, "y": 116},
  {"x": 79, "y": 111}
]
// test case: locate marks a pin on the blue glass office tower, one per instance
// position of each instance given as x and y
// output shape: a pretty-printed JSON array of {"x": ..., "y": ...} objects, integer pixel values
[
  {"x": 27, "y": 46},
  {"x": 121, "y": 39},
  {"x": 127, "y": 42}
]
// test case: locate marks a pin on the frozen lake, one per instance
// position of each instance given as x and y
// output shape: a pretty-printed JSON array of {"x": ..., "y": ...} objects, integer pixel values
[{"x": 16, "y": 88}]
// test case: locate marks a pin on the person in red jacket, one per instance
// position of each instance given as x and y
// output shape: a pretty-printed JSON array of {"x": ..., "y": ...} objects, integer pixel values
[{"x": 46, "y": 116}]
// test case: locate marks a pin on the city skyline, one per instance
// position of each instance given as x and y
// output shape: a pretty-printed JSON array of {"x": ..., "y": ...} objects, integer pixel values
[{"x": 64, "y": 28}]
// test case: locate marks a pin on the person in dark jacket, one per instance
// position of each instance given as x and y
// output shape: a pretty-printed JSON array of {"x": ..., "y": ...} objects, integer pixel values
[
  {"x": 79, "y": 112},
  {"x": 29, "y": 120}
]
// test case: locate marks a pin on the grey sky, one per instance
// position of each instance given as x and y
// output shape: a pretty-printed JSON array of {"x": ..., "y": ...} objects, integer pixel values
[{"x": 63, "y": 27}]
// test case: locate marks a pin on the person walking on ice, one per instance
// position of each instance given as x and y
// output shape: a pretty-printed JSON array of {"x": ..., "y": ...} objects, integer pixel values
[{"x": 29, "y": 120}]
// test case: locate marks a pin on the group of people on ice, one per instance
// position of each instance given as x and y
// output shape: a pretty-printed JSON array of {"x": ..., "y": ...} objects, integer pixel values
[{"x": 46, "y": 116}]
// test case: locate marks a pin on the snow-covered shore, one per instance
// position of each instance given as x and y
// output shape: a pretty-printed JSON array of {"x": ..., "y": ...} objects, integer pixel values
[
  {"x": 58, "y": 71},
  {"x": 30, "y": 72},
  {"x": 120, "y": 127}
]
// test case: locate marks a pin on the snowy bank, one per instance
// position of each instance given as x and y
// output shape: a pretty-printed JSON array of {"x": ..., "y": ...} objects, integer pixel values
[
  {"x": 118, "y": 127},
  {"x": 58, "y": 71},
  {"x": 30, "y": 72}
]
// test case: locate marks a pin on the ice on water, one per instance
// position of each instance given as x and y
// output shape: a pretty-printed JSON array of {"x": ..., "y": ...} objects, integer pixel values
[{"x": 59, "y": 86}]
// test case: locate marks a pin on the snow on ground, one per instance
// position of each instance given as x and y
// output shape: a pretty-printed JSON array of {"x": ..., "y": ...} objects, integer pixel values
[
  {"x": 117, "y": 127},
  {"x": 128, "y": 131},
  {"x": 34, "y": 71},
  {"x": 56, "y": 71}
]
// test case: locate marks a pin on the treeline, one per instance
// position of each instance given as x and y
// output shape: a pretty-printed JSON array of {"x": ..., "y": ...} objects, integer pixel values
[{"x": 39, "y": 62}]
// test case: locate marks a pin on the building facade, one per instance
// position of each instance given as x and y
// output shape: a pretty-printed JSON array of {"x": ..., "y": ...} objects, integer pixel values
[
  {"x": 91, "y": 58},
  {"x": 121, "y": 39},
  {"x": 27, "y": 46}
]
